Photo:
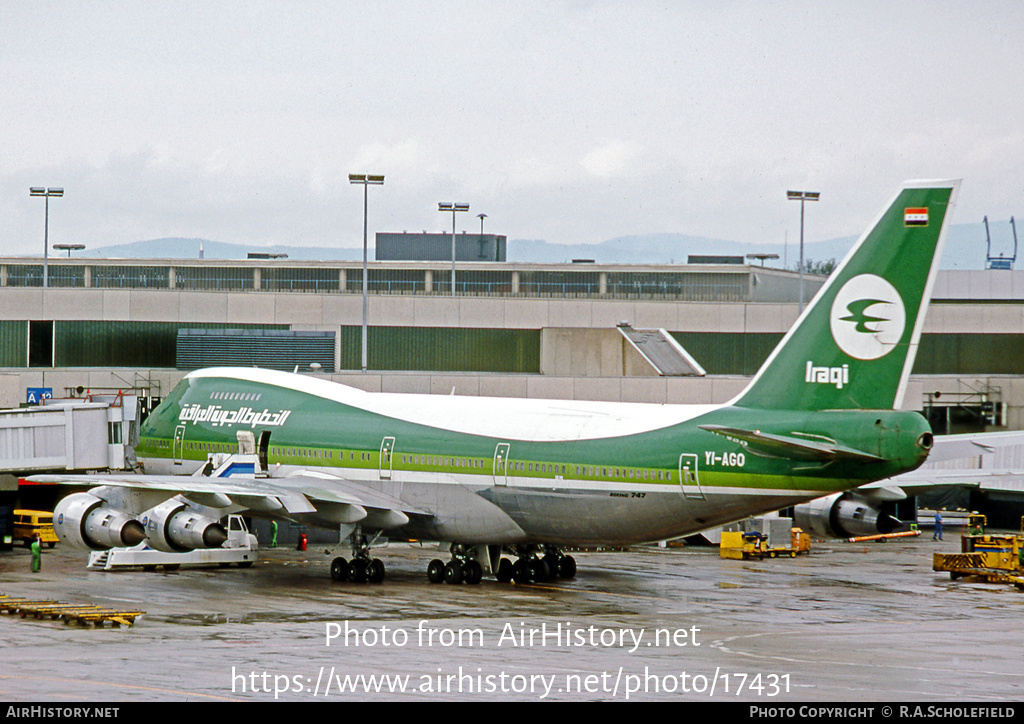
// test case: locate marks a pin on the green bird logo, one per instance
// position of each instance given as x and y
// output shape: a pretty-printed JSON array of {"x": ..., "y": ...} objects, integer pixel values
[{"x": 859, "y": 316}]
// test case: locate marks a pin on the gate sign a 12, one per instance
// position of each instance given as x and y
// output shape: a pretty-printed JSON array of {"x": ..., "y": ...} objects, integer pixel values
[{"x": 37, "y": 394}]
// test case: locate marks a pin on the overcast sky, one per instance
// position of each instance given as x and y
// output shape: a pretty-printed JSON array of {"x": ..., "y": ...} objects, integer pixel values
[{"x": 564, "y": 121}]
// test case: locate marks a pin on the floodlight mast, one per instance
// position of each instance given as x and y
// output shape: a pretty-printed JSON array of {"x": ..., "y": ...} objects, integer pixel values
[
  {"x": 366, "y": 180},
  {"x": 454, "y": 208},
  {"x": 802, "y": 196},
  {"x": 46, "y": 193}
]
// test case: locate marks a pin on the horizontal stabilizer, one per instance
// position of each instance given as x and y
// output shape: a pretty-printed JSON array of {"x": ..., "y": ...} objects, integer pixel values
[{"x": 784, "y": 446}]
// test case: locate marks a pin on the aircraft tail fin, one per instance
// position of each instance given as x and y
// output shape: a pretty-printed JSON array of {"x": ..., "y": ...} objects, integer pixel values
[{"x": 855, "y": 343}]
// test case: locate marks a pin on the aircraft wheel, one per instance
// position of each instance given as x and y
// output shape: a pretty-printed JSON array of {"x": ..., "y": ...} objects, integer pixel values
[
  {"x": 376, "y": 572},
  {"x": 172, "y": 567},
  {"x": 474, "y": 572},
  {"x": 435, "y": 571},
  {"x": 357, "y": 570},
  {"x": 339, "y": 569},
  {"x": 539, "y": 570},
  {"x": 521, "y": 571},
  {"x": 453, "y": 572},
  {"x": 504, "y": 572},
  {"x": 567, "y": 567}
]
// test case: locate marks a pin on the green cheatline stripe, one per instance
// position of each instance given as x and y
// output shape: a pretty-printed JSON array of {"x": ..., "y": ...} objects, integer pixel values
[{"x": 370, "y": 460}]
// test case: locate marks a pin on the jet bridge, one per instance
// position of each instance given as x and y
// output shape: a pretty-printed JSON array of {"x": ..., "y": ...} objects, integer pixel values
[{"x": 67, "y": 435}]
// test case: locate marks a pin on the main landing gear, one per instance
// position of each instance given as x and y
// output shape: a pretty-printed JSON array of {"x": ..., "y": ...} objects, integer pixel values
[
  {"x": 534, "y": 564},
  {"x": 462, "y": 568},
  {"x": 363, "y": 568}
]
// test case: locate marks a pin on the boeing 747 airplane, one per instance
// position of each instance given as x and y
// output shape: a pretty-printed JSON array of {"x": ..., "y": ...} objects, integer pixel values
[{"x": 507, "y": 484}]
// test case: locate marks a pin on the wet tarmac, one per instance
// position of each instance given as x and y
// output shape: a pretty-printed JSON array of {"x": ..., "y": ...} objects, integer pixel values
[{"x": 848, "y": 623}]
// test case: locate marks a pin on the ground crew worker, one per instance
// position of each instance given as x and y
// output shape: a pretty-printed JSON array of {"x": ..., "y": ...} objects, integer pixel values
[
  {"x": 937, "y": 535},
  {"x": 273, "y": 534},
  {"x": 37, "y": 554}
]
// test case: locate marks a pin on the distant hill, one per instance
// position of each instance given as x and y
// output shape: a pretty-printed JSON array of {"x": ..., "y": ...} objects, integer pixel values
[
  {"x": 189, "y": 249},
  {"x": 668, "y": 249},
  {"x": 965, "y": 249}
]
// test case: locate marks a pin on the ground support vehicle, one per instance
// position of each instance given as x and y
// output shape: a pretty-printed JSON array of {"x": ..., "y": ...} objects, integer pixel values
[
  {"x": 240, "y": 548},
  {"x": 744, "y": 546},
  {"x": 993, "y": 557}
]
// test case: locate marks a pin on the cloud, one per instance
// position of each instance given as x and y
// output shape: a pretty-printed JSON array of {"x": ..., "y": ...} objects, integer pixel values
[
  {"x": 609, "y": 160},
  {"x": 560, "y": 120}
]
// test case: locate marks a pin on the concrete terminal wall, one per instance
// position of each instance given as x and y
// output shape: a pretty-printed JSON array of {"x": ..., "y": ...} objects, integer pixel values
[
  {"x": 328, "y": 312},
  {"x": 572, "y": 352},
  {"x": 325, "y": 312}
]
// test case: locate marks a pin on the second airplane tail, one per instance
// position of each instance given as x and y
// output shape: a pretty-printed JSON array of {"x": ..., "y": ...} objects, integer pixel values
[{"x": 855, "y": 343}]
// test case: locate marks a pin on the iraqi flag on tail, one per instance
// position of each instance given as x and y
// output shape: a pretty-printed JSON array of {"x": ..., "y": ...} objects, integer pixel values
[{"x": 915, "y": 217}]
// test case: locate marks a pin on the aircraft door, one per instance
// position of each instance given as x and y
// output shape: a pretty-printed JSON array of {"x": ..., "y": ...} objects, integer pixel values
[
  {"x": 387, "y": 449},
  {"x": 500, "y": 467},
  {"x": 263, "y": 450},
  {"x": 689, "y": 479},
  {"x": 178, "y": 446}
]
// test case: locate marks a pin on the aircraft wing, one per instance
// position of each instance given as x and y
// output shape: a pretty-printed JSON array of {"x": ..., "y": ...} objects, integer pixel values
[
  {"x": 995, "y": 476},
  {"x": 921, "y": 481},
  {"x": 332, "y": 498},
  {"x": 953, "y": 447}
]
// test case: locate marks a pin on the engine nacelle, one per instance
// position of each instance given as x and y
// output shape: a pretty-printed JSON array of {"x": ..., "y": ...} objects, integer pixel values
[
  {"x": 173, "y": 527},
  {"x": 843, "y": 515},
  {"x": 84, "y": 521}
]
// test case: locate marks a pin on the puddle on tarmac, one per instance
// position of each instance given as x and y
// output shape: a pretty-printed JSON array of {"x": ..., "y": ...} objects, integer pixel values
[{"x": 255, "y": 617}]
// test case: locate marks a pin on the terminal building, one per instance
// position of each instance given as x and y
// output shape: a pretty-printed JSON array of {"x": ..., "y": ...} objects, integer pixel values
[
  {"x": 512, "y": 329},
  {"x": 438, "y": 247}
]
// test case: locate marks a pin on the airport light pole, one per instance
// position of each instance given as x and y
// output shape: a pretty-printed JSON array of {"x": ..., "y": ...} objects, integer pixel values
[
  {"x": 454, "y": 208},
  {"x": 46, "y": 193},
  {"x": 802, "y": 196},
  {"x": 69, "y": 248},
  {"x": 762, "y": 257},
  {"x": 481, "y": 244},
  {"x": 366, "y": 181}
]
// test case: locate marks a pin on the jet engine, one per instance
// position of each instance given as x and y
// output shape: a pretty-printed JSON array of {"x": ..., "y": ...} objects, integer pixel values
[
  {"x": 844, "y": 515},
  {"x": 83, "y": 520},
  {"x": 173, "y": 527}
]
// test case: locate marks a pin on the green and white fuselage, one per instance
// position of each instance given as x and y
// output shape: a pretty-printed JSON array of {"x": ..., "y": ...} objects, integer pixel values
[
  {"x": 818, "y": 418},
  {"x": 494, "y": 470}
]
